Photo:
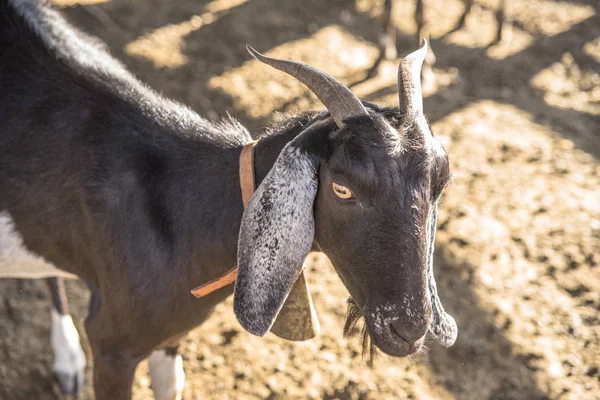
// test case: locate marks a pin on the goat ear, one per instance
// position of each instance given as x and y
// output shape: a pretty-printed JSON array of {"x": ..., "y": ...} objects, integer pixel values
[
  {"x": 443, "y": 327},
  {"x": 276, "y": 234}
]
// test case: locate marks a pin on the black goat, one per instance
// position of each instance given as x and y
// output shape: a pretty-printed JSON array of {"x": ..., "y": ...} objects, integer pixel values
[{"x": 139, "y": 197}]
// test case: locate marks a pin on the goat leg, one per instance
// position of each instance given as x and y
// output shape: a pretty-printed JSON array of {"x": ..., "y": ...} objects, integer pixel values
[
  {"x": 69, "y": 358},
  {"x": 503, "y": 28},
  {"x": 420, "y": 21},
  {"x": 422, "y": 33},
  {"x": 462, "y": 21},
  {"x": 387, "y": 39},
  {"x": 166, "y": 373},
  {"x": 113, "y": 375},
  {"x": 115, "y": 357}
]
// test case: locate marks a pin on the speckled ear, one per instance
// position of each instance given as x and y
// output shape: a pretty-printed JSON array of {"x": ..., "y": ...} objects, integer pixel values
[
  {"x": 443, "y": 327},
  {"x": 276, "y": 234}
]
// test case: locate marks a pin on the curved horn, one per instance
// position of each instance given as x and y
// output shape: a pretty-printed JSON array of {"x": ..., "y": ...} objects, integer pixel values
[
  {"x": 409, "y": 81},
  {"x": 336, "y": 97}
]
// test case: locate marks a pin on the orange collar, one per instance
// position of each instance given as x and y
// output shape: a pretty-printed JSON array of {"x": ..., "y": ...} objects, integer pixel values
[{"x": 247, "y": 186}]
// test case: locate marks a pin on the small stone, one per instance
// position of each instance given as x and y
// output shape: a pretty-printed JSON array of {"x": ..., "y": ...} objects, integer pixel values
[
  {"x": 555, "y": 369},
  {"x": 329, "y": 356},
  {"x": 280, "y": 367}
]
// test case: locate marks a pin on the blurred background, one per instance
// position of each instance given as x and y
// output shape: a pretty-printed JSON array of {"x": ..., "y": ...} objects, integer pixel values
[{"x": 518, "y": 246}]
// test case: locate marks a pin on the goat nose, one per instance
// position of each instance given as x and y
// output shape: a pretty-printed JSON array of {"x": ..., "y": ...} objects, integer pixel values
[{"x": 408, "y": 332}]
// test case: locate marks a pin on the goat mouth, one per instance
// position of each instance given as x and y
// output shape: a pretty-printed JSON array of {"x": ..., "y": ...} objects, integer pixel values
[
  {"x": 389, "y": 341},
  {"x": 403, "y": 348}
]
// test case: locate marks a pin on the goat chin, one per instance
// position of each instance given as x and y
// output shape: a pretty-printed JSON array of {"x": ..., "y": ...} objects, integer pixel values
[{"x": 370, "y": 352}]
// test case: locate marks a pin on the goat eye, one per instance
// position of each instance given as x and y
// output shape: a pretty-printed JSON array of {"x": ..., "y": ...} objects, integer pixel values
[{"x": 342, "y": 191}]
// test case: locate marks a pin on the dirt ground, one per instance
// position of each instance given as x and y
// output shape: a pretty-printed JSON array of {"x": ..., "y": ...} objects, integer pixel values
[{"x": 518, "y": 248}]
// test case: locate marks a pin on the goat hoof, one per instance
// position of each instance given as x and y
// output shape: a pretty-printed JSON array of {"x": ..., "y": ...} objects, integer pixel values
[{"x": 69, "y": 383}]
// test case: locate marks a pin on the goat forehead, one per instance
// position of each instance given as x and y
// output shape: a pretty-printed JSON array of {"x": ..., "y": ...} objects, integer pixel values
[
  {"x": 416, "y": 136},
  {"x": 380, "y": 154},
  {"x": 405, "y": 178},
  {"x": 400, "y": 159},
  {"x": 412, "y": 145}
]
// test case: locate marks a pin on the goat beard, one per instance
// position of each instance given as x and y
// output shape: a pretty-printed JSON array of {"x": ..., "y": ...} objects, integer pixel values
[{"x": 354, "y": 315}]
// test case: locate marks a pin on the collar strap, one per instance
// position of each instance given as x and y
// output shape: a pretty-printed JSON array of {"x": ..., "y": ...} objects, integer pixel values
[
  {"x": 247, "y": 185},
  {"x": 247, "y": 182}
]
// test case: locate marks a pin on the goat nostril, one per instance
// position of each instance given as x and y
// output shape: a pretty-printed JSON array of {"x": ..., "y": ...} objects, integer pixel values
[
  {"x": 395, "y": 332},
  {"x": 410, "y": 337}
]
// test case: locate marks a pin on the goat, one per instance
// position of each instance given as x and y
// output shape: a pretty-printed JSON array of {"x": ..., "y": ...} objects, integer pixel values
[
  {"x": 387, "y": 40},
  {"x": 138, "y": 196}
]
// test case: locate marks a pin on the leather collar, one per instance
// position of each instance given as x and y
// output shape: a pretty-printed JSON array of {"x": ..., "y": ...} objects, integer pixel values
[{"x": 247, "y": 185}]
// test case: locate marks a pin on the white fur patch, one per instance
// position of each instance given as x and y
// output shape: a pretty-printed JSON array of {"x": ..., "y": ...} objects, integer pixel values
[
  {"x": 69, "y": 358},
  {"x": 18, "y": 262},
  {"x": 166, "y": 375}
]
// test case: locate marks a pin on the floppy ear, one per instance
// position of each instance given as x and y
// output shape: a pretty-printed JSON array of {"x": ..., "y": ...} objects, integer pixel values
[
  {"x": 276, "y": 233},
  {"x": 443, "y": 326}
]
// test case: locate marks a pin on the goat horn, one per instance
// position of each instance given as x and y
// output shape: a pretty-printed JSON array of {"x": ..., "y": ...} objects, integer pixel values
[
  {"x": 336, "y": 97},
  {"x": 409, "y": 82}
]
